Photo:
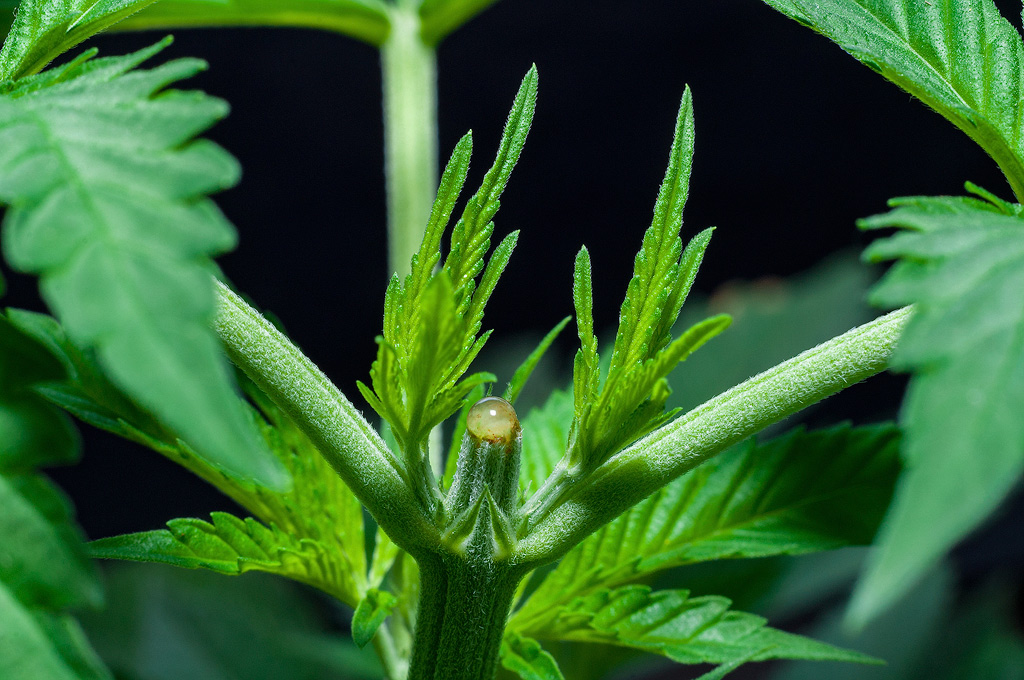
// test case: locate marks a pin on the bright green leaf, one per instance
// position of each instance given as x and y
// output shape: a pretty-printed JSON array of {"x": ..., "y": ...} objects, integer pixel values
[
  {"x": 107, "y": 203},
  {"x": 960, "y": 57},
  {"x": 233, "y": 546},
  {"x": 365, "y": 20},
  {"x": 370, "y": 613},
  {"x": 684, "y": 629},
  {"x": 44, "y": 29},
  {"x": 545, "y": 438},
  {"x": 527, "y": 659},
  {"x": 961, "y": 262},
  {"x": 800, "y": 493}
]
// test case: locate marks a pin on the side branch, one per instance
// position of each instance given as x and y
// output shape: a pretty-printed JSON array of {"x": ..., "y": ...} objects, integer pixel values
[
  {"x": 636, "y": 472},
  {"x": 311, "y": 400}
]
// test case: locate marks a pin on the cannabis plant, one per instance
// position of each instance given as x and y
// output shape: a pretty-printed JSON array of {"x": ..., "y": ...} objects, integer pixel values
[{"x": 460, "y": 537}]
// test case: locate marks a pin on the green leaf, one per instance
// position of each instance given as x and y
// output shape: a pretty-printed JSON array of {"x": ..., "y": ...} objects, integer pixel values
[
  {"x": 441, "y": 17},
  {"x": 631, "y": 401},
  {"x": 44, "y": 29},
  {"x": 684, "y": 629},
  {"x": 167, "y": 624},
  {"x": 365, "y": 20},
  {"x": 800, "y": 493},
  {"x": 106, "y": 190},
  {"x": 527, "y": 659},
  {"x": 370, "y": 613},
  {"x": 960, "y": 57},
  {"x": 522, "y": 374},
  {"x": 961, "y": 262},
  {"x": 43, "y": 566},
  {"x": 233, "y": 546},
  {"x": 25, "y": 651},
  {"x": 33, "y": 433},
  {"x": 545, "y": 438},
  {"x": 432, "y": 320}
]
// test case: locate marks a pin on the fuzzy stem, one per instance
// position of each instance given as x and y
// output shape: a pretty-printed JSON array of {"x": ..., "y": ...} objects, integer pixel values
[
  {"x": 318, "y": 408},
  {"x": 566, "y": 515},
  {"x": 464, "y": 605},
  {"x": 409, "y": 71}
]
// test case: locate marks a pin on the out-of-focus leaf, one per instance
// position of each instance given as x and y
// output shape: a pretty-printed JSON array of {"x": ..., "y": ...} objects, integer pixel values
[
  {"x": 961, "y": 262},
  {"x": 170, "y": 624},
  {"x": 527, "y": 659}
]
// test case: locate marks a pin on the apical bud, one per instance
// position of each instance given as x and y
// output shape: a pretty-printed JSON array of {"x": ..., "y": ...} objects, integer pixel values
[{"x": 488, "y": 464}]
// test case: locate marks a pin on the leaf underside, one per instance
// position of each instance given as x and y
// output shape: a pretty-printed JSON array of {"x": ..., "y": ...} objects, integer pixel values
[
  {"x": 961, "y": 262},
  {"x": 106, "y": 191}
]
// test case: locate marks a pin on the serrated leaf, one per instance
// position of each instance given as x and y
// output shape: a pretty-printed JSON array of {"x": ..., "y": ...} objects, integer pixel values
[
  {"x": 44, "y": 29},
  {"x": 432, "y": 320},
  {"x": 527, "y": 659},
  {"x": 233, "y": 546},
  {"x": 961, "y": 262},
  {"x": 545, "y": 437},
  {"x": 441, "y": 17},
  {"x": 523, "y": 372},
  {"x": 107, "y": 204},
  {"x": 684, "y": 629},
  {"x": 631, "y": 401},
  {"x": 960, "y": 57},
  {"x": 800, "y": 493},
  {"x": 370, "y": 613},
  {"x": 365, "y": 20}
]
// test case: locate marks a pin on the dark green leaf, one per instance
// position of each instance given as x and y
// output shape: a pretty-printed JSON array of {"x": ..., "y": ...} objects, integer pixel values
[
  {"x": 170, "y": 624},
  {"x": 527, "y": 659},
  {"x": 960, "y": 57},
  {"x": 25, "y": 651},
  {"x": 961, "y": 261},
  {"x": 107, "y": 203},
  {"x": 800, "y": 493},
  {"x": 371, "y": 612}
]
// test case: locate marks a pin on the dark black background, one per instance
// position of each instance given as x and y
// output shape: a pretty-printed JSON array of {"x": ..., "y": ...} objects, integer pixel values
[{"x": 795, "y": 140}]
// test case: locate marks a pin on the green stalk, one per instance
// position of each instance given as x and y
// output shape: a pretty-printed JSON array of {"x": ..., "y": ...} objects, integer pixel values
[
  {"x": 409, "y": 71},
  {"x": 464, "y": 605},
  {"x": 572, "y": 505},
  {"x": 314, "y": 403}
]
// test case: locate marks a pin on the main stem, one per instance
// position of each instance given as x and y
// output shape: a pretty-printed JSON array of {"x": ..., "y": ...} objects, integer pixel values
[
  {"x": 463, "y": 608},
  {"x": 409, "y": 71}
]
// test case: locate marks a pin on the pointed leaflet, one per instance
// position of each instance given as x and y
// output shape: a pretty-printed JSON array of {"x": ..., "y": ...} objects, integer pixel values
[
  {"x": 800, "y": 493},
  {"x": 527, "y": 659},
  {"x": 960, "y": 57},
  {"x": 107, "y": 204},
  {"x": 961, "y": 262},
  {"x": 43, "y": 29},
  {"x": 365, "y": 20},
  {"x": 684, "y": 629},
  {"x": 522, "y": 374},
  {"x": 632, "y": 399},
  {"x": 432, "y": 320}
]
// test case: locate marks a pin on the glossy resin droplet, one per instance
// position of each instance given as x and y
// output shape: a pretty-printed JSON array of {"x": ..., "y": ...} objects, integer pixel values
[{"x": 492, "y": 419}]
